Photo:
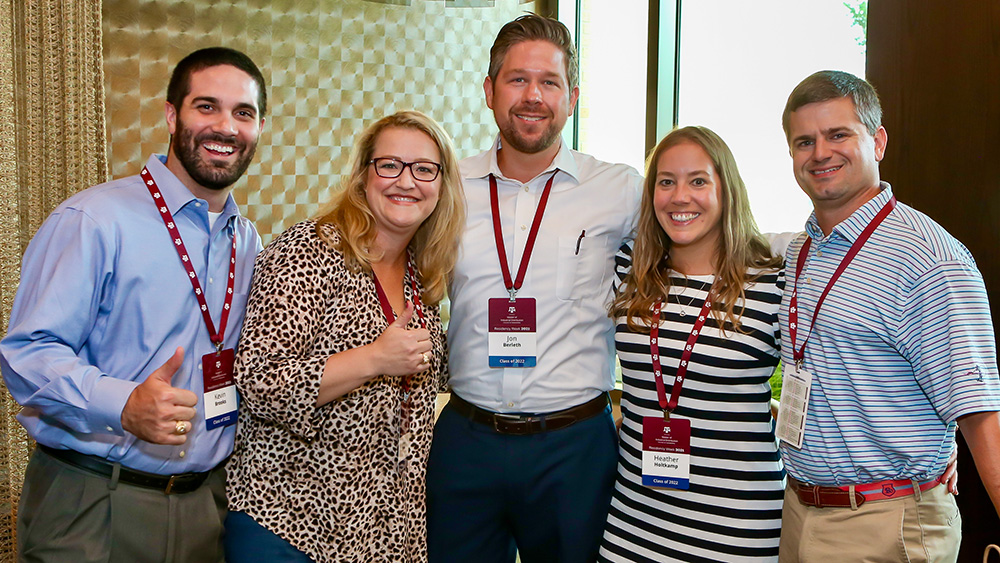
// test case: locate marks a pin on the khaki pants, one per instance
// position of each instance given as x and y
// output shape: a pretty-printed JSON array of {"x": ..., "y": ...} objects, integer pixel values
[
  {"x": 908, "y": 529},
  {"x": 67, "y": 515}
]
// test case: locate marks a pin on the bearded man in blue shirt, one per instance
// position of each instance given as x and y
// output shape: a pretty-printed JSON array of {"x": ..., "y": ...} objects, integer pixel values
[{"x": 121, "y": 338}]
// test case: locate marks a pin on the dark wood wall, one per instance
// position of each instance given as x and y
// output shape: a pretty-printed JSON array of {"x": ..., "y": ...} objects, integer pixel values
[{"x": 936, "y": 66}]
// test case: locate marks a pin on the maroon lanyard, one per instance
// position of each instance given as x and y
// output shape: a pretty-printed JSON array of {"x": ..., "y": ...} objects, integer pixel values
[
  {"x": 799, "y": 354},
  {"x": 383, "y": 300},
  {"x": 168, "y": 220},
  {"x": 514, "y": 285},
  {"x": 654, "y": 349},
  {"x": 390, "y": 316}
]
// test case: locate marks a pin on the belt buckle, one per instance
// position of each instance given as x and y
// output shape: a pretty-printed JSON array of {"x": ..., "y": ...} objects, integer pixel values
[
  {"x": 499, "y": 418},
  {"x": 170, "y": 485},
  {"x": 816, "y": 496}
]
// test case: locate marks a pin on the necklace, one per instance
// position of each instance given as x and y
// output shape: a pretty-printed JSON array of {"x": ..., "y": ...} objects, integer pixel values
[{"x": 690, "y": 302}]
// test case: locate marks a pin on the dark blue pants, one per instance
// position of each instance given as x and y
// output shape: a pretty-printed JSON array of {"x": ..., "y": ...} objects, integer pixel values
[
  {"x": 247, "y": 541},
  {"x": 545, "y": 495}
]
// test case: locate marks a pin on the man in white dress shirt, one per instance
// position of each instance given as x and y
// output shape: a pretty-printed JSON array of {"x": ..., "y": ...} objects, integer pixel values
[{"x": 524, "y": 456}]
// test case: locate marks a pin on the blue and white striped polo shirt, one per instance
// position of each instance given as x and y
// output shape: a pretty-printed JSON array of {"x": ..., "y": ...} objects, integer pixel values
[{"x": 903, "y": 347}]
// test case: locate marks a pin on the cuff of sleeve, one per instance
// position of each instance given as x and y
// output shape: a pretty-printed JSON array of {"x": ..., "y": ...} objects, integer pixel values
[{"x": 108, "y": 402}]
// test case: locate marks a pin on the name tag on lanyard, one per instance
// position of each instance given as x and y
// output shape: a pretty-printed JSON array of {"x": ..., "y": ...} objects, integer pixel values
[
  {"x": 512, "y": 321},
  {"x": 797, "y": 382},
  {"x": 796, "y": 385},
  {"x": 220, "y": 388},
  {"x": 512, "y": 337},
  {"x": 666, "y": 452},
  {"x": 217, "y": 367}
]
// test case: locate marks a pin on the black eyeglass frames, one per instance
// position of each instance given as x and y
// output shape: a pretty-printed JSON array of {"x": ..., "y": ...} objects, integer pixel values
[{"x": 423, "y": 170}]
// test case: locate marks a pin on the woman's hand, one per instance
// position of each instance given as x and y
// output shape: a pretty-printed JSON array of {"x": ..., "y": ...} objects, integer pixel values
[
  {"x": 396, "y": 352},
  {"x": 400, "y": 351}
]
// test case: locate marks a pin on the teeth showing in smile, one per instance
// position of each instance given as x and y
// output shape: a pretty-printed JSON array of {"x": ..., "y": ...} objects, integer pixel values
[
  {"x": 684, "y": 217},
  {"x": 530, "y": 117},
  {"x": 403, "y": 198},
  {"x": 220, "y": 148},
  {"x": 819, "y": 172}
]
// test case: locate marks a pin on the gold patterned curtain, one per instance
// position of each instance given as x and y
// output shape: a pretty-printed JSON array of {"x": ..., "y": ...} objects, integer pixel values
[{"x": 52, "y": 144}]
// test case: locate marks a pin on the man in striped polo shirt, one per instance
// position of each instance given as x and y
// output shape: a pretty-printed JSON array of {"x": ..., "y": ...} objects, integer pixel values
[{"x": 887, "y": 344}]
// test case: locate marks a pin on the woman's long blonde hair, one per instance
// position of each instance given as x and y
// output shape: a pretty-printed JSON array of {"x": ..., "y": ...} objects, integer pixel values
[
  {"x": 741, "y": 246},
  {"x": 435, "y": 244}
]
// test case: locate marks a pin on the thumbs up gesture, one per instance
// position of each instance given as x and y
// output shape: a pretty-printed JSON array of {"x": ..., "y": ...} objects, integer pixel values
[
  {"x": 156, "y": 411},
  {"x": 400, "y": 351}
]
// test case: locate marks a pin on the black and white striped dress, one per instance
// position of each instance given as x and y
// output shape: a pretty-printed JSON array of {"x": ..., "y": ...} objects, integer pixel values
[{"x": 732, "y": 510}]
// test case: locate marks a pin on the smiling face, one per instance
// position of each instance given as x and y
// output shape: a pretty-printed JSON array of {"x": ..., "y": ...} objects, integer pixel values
[
  {"x": 214, "y": 133},
  {"x": 401, "y": 204},
  {"x": 687, "y": 202},
  {"x": 531, "y": 97},
  {"x": 835, "y": 158}
]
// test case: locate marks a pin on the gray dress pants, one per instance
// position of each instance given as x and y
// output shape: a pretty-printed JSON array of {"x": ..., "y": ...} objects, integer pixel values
[{"x": 68, "y": 514}]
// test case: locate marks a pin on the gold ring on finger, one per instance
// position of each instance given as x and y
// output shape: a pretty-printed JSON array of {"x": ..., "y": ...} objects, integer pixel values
[{"x": 180, "y": 427}]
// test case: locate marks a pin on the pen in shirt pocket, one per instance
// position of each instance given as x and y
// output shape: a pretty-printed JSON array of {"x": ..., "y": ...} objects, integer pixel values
[{"x": 583, "y": 233}]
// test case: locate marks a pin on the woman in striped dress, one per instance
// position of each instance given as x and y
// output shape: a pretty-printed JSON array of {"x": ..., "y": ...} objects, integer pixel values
[{"x": 699, "y": 475}]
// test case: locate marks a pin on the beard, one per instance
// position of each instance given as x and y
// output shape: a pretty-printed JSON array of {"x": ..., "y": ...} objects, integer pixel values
[
  {"x": 211, "y": 174},
  {"x": 518, "y": 142}
]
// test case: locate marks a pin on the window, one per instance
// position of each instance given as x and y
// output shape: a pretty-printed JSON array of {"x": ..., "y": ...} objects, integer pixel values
[{"x": 734, "y": 66}]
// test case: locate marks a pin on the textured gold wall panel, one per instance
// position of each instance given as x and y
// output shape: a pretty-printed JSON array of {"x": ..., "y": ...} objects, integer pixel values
[{"x": 332, "y": 67}]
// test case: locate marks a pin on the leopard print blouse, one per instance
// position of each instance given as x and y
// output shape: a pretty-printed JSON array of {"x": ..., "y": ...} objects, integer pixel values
[{"x": 334, "y": 480}]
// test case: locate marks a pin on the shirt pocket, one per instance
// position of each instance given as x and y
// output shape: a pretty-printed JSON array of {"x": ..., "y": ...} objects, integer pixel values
[{"x": 583, "y": 263}]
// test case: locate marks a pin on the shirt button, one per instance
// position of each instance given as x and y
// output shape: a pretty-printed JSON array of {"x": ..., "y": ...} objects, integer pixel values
[
  {"x": 510, "y": 404},
  {"x": 525, "y": 188},
  {"x": 197, "y": 204},
  {"x": 809, "y": 280},
  {"x": 199, "y": 367},
  {"x": 819, "y": 253},
  {"x": 524, "y": 227},
  {"x": 109, "y": 429},
  {"x": 183, "y": 453}
]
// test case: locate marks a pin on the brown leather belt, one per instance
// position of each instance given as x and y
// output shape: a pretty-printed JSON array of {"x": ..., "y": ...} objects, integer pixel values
[
  {"x": 840, "y": 497},
  {"x": 522, "y": 424},
  {"x": 169, "y": 484}
]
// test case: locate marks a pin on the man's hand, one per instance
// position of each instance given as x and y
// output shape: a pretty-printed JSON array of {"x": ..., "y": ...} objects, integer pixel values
[
  {"x": 155, "y": 407},
  {"x": 950, "y": 477}
]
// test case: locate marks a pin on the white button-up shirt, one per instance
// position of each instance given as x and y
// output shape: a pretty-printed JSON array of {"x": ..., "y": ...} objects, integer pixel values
[{"x": 592, "y": 206}]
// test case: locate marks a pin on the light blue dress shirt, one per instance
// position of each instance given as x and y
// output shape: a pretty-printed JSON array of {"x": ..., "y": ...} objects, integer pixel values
[{"x": 104, "y": 301}]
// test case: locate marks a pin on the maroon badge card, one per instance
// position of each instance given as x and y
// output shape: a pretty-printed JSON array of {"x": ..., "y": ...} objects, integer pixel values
[{"x": 220, "y": 388}]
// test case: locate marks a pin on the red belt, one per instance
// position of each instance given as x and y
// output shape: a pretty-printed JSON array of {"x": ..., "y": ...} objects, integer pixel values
[{"x": 840, "y": 497}]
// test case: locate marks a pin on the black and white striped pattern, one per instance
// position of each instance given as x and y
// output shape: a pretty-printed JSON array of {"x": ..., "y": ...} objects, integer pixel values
[{"x": 732, "y": 511}]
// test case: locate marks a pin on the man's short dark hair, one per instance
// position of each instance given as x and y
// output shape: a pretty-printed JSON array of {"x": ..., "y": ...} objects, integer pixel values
[
  {"x": 532, "y": 27},
  {"x": 832, "y": 84},
  {"x": 180, "y": 80}
]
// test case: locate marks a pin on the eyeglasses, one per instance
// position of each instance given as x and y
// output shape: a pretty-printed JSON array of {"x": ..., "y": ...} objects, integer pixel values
[{"x": 422, "y": 170}]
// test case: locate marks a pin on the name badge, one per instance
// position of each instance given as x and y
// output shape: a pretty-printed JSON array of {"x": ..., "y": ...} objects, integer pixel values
[
  {"x": 512, "y": 338},
  {"x": 796, "y": 385},
  {"x": 666, "y": 452},
  {"x": 220, "y": 388}
]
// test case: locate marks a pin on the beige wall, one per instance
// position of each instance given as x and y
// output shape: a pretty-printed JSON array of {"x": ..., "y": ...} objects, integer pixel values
[{"x": 332, "y": 67}]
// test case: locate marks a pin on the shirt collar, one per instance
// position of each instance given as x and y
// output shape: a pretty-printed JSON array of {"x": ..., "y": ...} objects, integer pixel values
[
  {"x": 850, "y": 229},
  {"x": 175, "y": 193},
  {"x": 564, "y": 161}
]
